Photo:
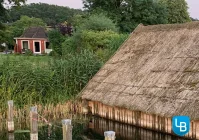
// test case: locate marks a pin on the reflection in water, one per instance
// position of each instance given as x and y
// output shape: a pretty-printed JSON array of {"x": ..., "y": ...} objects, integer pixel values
[
  {"x": 126, "y": 132},
  {"x": 93, "y": 130},
  {"x": 11, "y": 136}
]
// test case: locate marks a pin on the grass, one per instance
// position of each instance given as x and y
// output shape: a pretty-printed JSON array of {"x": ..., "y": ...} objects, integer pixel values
[{"x": 43, "y": 80}]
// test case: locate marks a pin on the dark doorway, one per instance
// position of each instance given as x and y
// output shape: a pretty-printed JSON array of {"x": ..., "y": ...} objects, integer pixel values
[{"x": 37, "y": 47}]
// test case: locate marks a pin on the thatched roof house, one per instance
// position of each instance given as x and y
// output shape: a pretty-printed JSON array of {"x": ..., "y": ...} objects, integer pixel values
[{"x": 156, "y": 71}]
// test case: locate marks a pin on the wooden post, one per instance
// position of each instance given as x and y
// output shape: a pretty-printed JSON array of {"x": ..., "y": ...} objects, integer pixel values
[
  {"x": 33, "y": 123},
  {"x": 85, "y": 107},
  {"x": 10, "y": 116},
  {"x": 11, "y": 136},
  {"x": 67, "y": 129},
  {"x": 109, "y": 135}
]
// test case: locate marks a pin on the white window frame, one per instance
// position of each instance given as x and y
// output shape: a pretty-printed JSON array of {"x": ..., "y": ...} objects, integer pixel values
[
  {"x": 24, "y": 41},
  {"x": 34, "y": 46}
]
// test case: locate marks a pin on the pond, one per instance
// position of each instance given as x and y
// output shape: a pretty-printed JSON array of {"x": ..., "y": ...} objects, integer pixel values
[{"x": 89, "y": 128}]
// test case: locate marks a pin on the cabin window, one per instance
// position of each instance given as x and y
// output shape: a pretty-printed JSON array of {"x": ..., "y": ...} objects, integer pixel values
[
  {"x": 47, "y": 45},
  {"x": 25, "y": 45}
]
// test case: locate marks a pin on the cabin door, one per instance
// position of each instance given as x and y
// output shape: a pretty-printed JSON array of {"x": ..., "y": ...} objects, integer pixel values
[{"x": 37, "y": 48}]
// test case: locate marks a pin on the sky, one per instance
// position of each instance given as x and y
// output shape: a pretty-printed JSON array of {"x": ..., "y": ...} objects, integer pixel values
[{"x": 193, "y": 5}]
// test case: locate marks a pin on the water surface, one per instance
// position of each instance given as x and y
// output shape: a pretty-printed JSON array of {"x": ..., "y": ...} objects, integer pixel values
[{"x": 92, "y": 129}]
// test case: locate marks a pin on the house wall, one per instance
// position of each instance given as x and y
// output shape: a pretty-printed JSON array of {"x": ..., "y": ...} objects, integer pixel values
[
  {"x": 137, "y": 118},
  {"x": 31, "y": 44}
]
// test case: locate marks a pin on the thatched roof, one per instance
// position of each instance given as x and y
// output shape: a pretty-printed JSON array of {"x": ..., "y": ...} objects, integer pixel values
[
  {"x": 34, "y": 32},
  {"x": 155, "y": 71}
]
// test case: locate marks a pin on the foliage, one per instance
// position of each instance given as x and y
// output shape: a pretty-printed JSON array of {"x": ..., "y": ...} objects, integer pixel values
[
  {"x": 65, "y": 28},
  {"x": 129, "y": 13},
  {"x": 99, "y": 39},
  {"x": 3, "y": 10},
  {"x": 56, "y": 39},
  {"x": 17, "y": 28},
  {"x": 98, "y": 22},
  {"x": 52, "y": 53},
  {"x": 28, "y": 52},
  {"x": 194, "y": 19},
  {"x": 50, "y": 14},
  {"x": 177, "y": 11},
  {"x": 77, "y": 20},
  {"x": 102, "y": 43},
  {"x": 2, "y": 48},
  {"x": 25, "y": 22},
  {"x": 27, "y": 79}
]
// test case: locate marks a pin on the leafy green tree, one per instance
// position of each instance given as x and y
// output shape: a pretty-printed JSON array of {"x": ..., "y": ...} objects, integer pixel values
[
  {"x": 177, "y": 11},
  {"x": 50, "y": 14},
  {"x": 129, "y": 13},
  {"x": 17, "y": 28},
  {"x": 98, "y": 22},
  {"x": 25, "y": 22},
  {"x": 56, "y": 39},
  {"x": 14, "y": 2},
  {"x": 3, "y": 34}
]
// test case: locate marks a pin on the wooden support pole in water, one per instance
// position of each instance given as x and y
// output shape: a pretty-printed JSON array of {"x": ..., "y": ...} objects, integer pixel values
[
  {"x": 67, "y": 129},
  {"x": 33, "y": 123},
  {"x": 11, "y": 136},
  {"x": 10, "y": 119},
  {"x": 109, "y": 135}
]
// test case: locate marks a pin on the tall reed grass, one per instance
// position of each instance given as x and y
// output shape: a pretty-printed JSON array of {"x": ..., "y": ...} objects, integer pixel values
[{"x": 30, "y": 80}]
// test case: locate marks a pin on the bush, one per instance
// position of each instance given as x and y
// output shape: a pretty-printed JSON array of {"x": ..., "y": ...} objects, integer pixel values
[
  {"x": 95, "y": 40},
  {"x": 56, "y": 39},
  {"x": 2, "y": 48},
  {"x": 16, "y": 53},
  {"x": 28, "y": 52},
  {"x": 53, "y": 53},
  {"x": 98, "y": 22}
]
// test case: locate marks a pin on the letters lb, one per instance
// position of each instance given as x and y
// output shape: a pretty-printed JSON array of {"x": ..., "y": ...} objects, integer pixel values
[{"x": 181, "y": 125}]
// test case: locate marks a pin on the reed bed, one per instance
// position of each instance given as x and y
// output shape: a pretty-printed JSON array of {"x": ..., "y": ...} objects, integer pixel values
[
  {"x": 43, "y": 80},
  {"x": 50, "y": 112}
]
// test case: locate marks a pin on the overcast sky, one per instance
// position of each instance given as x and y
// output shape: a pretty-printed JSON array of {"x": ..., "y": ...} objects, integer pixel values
[{"x": 193, "y": 5}]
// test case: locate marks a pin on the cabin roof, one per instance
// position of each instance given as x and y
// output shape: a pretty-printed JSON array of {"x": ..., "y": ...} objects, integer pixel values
[
  {"x": 155, "y": 71},
  {"x": 34, "y": 32}
]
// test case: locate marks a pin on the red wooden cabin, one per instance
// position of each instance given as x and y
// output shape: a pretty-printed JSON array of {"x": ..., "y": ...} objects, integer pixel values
[{"x": 34, "y": 39}]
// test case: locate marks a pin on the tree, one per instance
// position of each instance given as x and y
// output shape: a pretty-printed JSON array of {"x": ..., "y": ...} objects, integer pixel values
[
  {"x": 98, "y": 22},
  {"x": 194, "y": 19},
  {"x": 129, "y": 13},
  {"x": 56, "y": 39},
  {"x": 3, "y": 31},
  {"x": 17, "y": 28},
  {"x": 50, "y": 14},
  {"x": 177, "y": 11},
  {"x": 13, "y": 2}
]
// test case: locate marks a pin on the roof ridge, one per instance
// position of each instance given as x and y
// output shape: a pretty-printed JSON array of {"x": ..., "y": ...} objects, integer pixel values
[
  {"x": 35, "y": 32},
  {"x": 168, "y": 27}
]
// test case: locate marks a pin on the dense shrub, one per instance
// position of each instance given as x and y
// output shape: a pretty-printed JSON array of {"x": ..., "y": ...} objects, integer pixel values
[
  {"x": 98, "y": 22},
  {"x": 56, "y": 39},
  {"x": 2, "y": 48},
  {"x": 28, "y": 52}
]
